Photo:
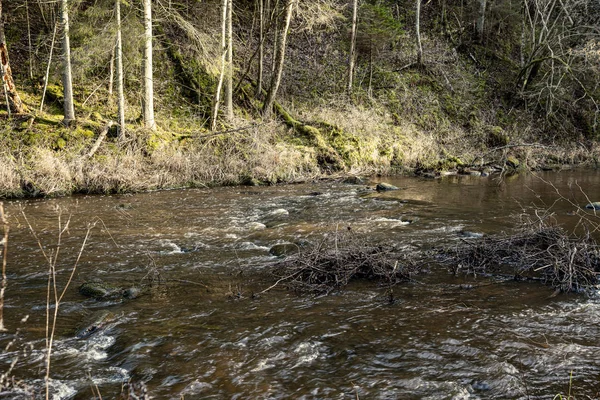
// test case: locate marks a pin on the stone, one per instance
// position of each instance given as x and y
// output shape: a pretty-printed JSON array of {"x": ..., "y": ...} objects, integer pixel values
[
  {"x": 593, "y": 206},
  {"x": 513, "y": 162},
  {"x": 98, "y": 290},
  {"x": 354, "y": 180},
  {"x": 284, "y": 249},
  {"x": 383, "y": 187}
]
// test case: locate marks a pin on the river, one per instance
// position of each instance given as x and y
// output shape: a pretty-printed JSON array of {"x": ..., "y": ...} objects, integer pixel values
[{"x": 204, "y": 332}]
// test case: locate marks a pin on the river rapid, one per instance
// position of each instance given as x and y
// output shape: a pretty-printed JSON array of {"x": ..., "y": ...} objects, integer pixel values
[{"x": 205, "y": 330}]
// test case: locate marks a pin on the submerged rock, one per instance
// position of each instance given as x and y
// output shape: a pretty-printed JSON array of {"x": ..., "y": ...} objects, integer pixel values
[
  {"x": 470, "y": 235},
  {"x": 383, "y": 186},
  {"x": 95, "y": 323},
  {"x": 594, "y": 206}
]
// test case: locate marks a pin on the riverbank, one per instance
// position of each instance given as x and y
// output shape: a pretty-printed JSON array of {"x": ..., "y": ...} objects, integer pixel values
[{"x": 44, "y": 159}]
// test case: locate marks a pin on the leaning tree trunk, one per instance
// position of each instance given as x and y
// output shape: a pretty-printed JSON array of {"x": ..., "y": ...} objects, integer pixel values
[
  {"x": 14, "y": 101},
  {"x": 69, "y": 107},
  {"x": 149, "y": 122},
  {"x": 352, "y": 57},
  {"x": 280, "y": 58},
  {"x": 119, "y": 60}
]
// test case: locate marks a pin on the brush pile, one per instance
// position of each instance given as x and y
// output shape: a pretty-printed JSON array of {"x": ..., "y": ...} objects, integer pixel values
[
  {"x": 566, "y": 262},
  {"x": 335, "y": 261}
]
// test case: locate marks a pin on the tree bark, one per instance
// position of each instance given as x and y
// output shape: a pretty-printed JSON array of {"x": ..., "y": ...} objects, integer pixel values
[
  {"x": 69, "y": 107},
  {"x": 149, "y": 122},
  {"x": 279, "y": 58},
  {"x": 14, "y": 101},
  {"x": 119, "y": 61},
  {"x": 351, "y": 57},
  {"x": 229, "y": 72},
  {"x": 215, "y": 114},
  {"x": 418, "y": 31}
]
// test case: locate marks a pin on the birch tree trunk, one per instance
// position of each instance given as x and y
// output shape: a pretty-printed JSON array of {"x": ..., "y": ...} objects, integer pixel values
[
  {"x": 69, "y": 107},
  {"x": 14, "y": 101},
  {"x": 215, "y": 114},
  {"x": 481, "y": 20},
  {"x": 149, "y": 122},
  {"x": 418, "y": 31},
  {"x": 119, "y": 61},
  {"x": 261, "y": 47},
  {"x": 229, "y": 64},
  {"x": 279, "y": 60},
  {"x": 352, "y": 56}
]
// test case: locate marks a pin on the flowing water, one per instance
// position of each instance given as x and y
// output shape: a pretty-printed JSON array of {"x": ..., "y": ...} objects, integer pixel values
[{"x": 204, "y": 333}]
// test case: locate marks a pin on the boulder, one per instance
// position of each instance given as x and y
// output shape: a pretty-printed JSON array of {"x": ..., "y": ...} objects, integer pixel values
[{"x": 383, "y": 187}]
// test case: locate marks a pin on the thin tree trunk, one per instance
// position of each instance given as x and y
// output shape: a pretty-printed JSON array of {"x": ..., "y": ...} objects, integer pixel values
[
  {"x": 119, "y": 60},
  {"x": 69, "y": 107},
  {"x": 261, "y": 47},
  {"x": 149, "y": 122},
  {"x": 215, "y": 115},
  {"x": 351, "y": 58},
  {"x": 229, "y": 72},
  {"x": 111, "y": 73},
  {"x": 29, "y": 40},
  {"x": 481, "y": 20},
  {"x": 418, "y": 31},
  {"x": 47, "y": 76},
  {"x": 14, "y": 101},
  {"x": 279, "y": 58}
]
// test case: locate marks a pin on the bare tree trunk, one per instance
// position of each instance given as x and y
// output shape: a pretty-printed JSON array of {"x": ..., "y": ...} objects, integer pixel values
[
  {"x": 279, "y": 58},
  {"x": 215, "y": 115},
  {"x": 119, "y": 60},
  {"x": 481, "y": 20},
  {"x": 69, "y": 107},
  {"x": 47, "y": 76},
  {"x": 29, "y": 40},
  {"x": 261, "y": 47},
  {"x": 14, "y": 101},
  {"x": 351, "y": 57},
  {"x": 149, "y": 122},
  {"x": 229, "y": 72},
  {"x": 111, "y": 74},
  {"x": 418, "y": 31}
]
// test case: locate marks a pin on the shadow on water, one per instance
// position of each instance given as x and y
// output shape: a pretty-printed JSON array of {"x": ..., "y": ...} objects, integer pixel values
[{"x": 203, "y": 334}]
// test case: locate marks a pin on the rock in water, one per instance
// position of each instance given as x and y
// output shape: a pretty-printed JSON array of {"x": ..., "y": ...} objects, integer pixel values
[
  {"x": 96, "y": 323},
  {"x": 284, "y": 249},
  {"x": 383, "y": 186},
  {"x": 594, "y": 206},
  {"x": 354, "y": 180},
  {"x": 99, "y": 290}
]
